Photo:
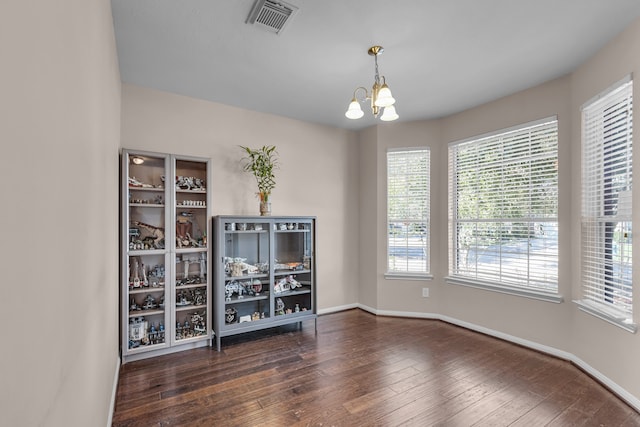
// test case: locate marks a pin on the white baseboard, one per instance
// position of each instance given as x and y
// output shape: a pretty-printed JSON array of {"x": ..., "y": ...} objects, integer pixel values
[
  {"x": 112, "y": 405},
  {"x": 338, "y": 308},
  {"x": 623, "y": 394}
]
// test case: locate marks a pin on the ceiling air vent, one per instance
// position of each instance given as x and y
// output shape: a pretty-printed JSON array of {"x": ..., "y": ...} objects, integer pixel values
[{"x": 271, "y": 15}]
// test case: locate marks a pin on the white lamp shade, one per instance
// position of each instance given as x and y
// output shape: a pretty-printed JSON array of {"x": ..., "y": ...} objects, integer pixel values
[
  {"x": 384, "y": 99},
  {"x": 389, "y": 114},
  {"x": 354, "y": 111}
]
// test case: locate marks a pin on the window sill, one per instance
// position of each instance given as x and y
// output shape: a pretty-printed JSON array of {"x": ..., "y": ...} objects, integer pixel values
[
  {"x": 521, "y": 292},
  {"x": 407, "y": 276},
  {"x": 607, "y": 314}
]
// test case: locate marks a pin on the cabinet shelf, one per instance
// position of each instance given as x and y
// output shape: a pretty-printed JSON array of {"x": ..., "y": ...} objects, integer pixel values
[
  {"x": 237, "y": 300},
  {"x": 194, "y": 285},
  {"x": 145, "y": 205},
  {"x": 249, "y": 325},
  {"x": 142, "y": 252},
  {"x": 146, "y": 290},
  {"x": 298, "y": 291},
  {"x": 290, "y": 272},
  {"x": 292, "y": 315},
  {"x": 145, "y": 313},
  {"x": 180, "y": 190},
  {"x": 156, "y": 189},
  {"x": 187, "y": 250},
  {"x": 246, "y": 277},
  {"x": 195, "y": 338},
  {"x": 145, "y": 348},
  {"x": 190, "y": 307}
]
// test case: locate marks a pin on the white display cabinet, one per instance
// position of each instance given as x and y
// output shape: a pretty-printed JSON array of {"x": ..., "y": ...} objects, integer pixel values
[
  {"x": 264, "y": 273},
  {"x": 165, "y": 253}
]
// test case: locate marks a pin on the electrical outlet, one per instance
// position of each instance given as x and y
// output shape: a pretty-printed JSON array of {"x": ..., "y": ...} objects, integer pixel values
[{"x": 425, "y": 292}]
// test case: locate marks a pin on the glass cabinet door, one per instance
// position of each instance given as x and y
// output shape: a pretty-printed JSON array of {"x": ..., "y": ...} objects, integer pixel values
[
  {"x": 246, "y": 272},
  {"x": 191, "y": 249},
  {"x": 293, "y": 275},
  {"x": 146, "y": 251}
]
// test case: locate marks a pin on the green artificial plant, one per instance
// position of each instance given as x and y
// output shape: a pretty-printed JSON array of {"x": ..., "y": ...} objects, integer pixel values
[{"x": 261, "y": 162}]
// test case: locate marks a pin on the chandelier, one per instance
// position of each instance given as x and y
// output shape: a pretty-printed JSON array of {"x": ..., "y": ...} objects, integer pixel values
[{"x": 380, "y": 95}]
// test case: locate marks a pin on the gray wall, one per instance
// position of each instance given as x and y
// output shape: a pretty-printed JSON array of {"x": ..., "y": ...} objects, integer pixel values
[{"x": 60, "y": 130}]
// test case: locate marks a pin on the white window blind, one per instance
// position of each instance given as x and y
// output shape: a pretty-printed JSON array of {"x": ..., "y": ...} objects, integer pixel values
[
  {"x": 408, "y": 211},
  {"x": 503, "y": 208},
  {"x": 606, "y": 202}
]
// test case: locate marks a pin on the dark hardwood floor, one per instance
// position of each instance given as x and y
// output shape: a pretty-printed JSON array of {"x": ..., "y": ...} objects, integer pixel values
[{"x": 363, "y": 370}]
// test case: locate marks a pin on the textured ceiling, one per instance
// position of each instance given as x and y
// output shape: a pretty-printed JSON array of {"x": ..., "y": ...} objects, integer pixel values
[{"x": 440, "y": 57}]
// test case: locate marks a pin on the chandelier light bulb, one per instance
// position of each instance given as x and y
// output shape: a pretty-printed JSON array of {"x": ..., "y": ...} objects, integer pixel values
[
  {"x": 385, "y": 99},
  {"x": 354, "y": 111},
  {"x": 389, "y": 114}
]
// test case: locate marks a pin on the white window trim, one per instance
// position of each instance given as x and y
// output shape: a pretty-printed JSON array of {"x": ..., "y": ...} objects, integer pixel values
[
  {"x": 605, "y": 312},
  {"x": 401, "y": 275},
  {"x": 393, "y": 275},
  {"x": 608, "y": 314},
  {"x": 505, "y": 288}
]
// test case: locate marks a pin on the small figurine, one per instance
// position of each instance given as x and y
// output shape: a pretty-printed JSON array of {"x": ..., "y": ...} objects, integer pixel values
[
  {"x": 145, "y": 281},
  {"x": 186, "y": 268},
  {"x": 151, "y": 234},
  {"x": 231, "y": 288},
  {"x": 231, "y": 315},
  {"x": 133, "y": 182},
  {"x": 203, "y": 263},
  {"x": 198, "y": 322},
  {"x": 198, "y": 297},
  {"x": 182, "y": 299},
  {"x": 293, "y": 283},
  {"x": 135, "y": 280},
  {"x": 149, "y": 303}
]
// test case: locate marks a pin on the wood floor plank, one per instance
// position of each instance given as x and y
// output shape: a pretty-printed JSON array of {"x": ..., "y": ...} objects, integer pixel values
[{"x": 363, "y": 370}]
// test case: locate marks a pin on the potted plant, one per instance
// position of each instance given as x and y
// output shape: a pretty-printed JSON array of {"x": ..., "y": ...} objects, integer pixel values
[{"x": 261, "y": 162}]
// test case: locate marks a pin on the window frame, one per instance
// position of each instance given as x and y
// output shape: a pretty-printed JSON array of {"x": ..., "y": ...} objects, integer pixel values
[
  {"x": 426, "y": 220},
  {"x": 456, "y": 276},
  {"x": 601, "y": 201}
]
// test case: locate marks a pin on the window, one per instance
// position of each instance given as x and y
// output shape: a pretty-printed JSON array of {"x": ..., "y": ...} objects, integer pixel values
[
  {"x": 503, "y": 211},
  {"x": 606, "y": 204},
  {"x": 408, "y": 212}
]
